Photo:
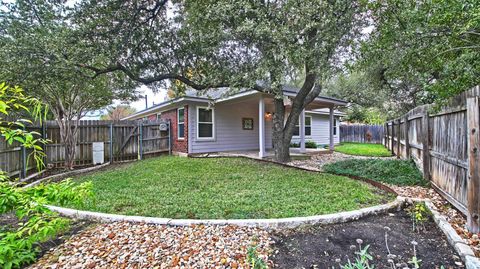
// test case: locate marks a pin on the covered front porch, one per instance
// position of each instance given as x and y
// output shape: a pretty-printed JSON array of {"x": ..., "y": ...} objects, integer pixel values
[{"x": 320, "y": 104}]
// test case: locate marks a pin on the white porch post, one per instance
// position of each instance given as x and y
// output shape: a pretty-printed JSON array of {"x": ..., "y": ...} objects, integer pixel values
[
  {"x": 302, "y": 131},
  {"x": 261, "y": 127},
  {"x": 330, "y": 123}
]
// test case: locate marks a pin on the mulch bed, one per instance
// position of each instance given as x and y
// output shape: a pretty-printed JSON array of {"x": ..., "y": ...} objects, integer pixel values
[
  {"x": 330, "y": 246},
  {"x": 129, "y": 245}
]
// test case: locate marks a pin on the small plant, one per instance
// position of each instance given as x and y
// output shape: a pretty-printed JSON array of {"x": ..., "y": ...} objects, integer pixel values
[
  {"x": 362, "y": 259},
  {"x": 308, "y": 144},
  {"x": 253, "y": 260},
  {"x": 419, "y": 214},
  {"x": 414, "y": 260}
]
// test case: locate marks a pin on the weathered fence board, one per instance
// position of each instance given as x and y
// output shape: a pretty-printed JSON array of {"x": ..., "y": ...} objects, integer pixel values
[
  {"x": 362, "y": 133},
  {"x": 122, "y": 138},
  {"x": 444, "y": 145}
]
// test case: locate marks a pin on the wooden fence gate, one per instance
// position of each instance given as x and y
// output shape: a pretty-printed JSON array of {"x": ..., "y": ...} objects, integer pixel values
[
  {"x": 445, "y": 146},
  {"x": 123, "y": 141}
]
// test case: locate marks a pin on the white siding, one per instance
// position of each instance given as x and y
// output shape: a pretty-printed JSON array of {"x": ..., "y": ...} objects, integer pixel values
[
  {"x": 229, "y": 134},
  {"x": 320, "y": 132}
]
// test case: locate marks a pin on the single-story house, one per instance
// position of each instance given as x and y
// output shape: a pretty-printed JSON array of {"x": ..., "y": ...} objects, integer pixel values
[{"x": 219, "y": 120}]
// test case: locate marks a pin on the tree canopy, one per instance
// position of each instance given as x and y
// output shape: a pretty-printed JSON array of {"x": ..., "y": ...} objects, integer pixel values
[{"x": 427, "y": 49}]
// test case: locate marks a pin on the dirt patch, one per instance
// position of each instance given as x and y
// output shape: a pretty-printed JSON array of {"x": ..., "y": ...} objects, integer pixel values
[{"x": 329, "y": 246}]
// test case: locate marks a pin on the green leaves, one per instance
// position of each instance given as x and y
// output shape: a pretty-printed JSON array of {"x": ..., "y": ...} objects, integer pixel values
[
  {"x": 428, "y": 49},
  {"x": 17, "y": 246}
]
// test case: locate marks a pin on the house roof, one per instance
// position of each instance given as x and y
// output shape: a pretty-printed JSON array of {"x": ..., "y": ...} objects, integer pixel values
[{"x": 222, "y": 94}]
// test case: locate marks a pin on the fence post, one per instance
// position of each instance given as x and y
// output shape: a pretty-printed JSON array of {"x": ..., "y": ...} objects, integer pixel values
[
  {"x": 140, "y": 141},
  {"x": 110, "y": 146},
  {"x": 407, "y": 138},
  {"x": 44, "y": 136},
  {"x": 392, "y": 137},
  {"x": 473, "y": 141},
  {"x": 399, "y": 154},
  {"x": 426, "y": 145}
]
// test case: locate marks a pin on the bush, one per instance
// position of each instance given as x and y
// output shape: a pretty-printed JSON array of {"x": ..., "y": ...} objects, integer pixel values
[
  {"x": 36, "y": 223},
  {"x": 398, "y": 172},
  {"x": 308, "y": 144}
]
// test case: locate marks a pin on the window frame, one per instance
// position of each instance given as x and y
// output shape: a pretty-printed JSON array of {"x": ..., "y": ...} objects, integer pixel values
[
  {"x": 178, "y": 123},
  {"x": 335, "y": 126},
  {"x": 304, "y": 127},
  {"x": 212, "y": 123}
]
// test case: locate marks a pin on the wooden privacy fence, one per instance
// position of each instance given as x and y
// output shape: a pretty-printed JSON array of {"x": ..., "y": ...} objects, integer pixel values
[
  {"x": 444, "y": 144},
  {"x": 123, "y": 140},
  {"x": 362, "y": 133}
]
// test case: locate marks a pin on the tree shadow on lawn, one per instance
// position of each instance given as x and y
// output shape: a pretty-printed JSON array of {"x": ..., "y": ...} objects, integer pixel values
[{"x": 323, "y": 246}]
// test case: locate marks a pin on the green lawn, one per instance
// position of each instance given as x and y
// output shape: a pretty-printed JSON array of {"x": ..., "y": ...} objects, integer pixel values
[
  {"x": 398, "y": 172},
  {"x": 363, "y": 149},
  {"x": 176, "y": 187}
]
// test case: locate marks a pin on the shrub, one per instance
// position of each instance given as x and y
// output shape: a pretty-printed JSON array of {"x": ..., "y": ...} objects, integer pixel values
[
  {"x": 36, "y": 223},
  {"x": 308, "y": 144}
]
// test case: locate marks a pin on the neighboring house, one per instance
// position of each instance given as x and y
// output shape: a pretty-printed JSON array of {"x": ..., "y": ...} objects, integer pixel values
[{"x": 219, "y": 121}]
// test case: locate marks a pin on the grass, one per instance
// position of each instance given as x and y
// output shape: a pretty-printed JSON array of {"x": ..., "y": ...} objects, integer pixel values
[
  {"x": 363, "y": 149},
  {"x": 175, "y": 187},
  {"x": 398, "y": 172}
]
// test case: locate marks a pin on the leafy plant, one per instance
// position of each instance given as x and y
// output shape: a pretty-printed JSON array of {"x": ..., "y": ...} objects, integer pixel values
[
  {"x": 308, "y": 144},
  {"x": 254, "y": 261},
  {"x": 362, "y": 259},
  {"x": 36, "y": 223},
  {"x": 419, "y": 214}
]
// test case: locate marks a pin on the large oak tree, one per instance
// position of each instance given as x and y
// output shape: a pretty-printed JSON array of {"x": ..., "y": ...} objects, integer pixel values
[{"x": 236, "y": 44}]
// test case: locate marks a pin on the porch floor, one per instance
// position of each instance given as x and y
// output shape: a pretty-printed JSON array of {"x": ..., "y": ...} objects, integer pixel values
[{"x": 294, "y": 153}]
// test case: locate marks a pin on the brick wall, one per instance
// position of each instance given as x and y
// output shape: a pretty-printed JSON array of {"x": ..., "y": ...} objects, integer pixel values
[{"x": 177, "y": 145}]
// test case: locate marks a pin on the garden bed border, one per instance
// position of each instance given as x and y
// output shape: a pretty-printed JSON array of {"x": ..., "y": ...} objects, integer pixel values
[
  {"x": 292, "y": 222},
  {"x": 465, "y": 252}
]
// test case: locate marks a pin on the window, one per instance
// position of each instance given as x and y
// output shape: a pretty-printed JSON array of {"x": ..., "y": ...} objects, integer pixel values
[
  {"x": 335, "y": 127},
  {"x": 205, "y": 119},
  {"x": 180, "y": 123},
  {"x": 159, "y": 116},
  {"x": 308, "y": 127}
]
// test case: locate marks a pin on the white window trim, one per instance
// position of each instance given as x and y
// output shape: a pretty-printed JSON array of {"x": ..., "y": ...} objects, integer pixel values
[
  {"x": 198, "y": 123},
  {"x": 178, "y": 123},
  {"x": 311, "y": 122},
  {"x": 335, "y": 126},
  {"x": 159, "y": 115}
]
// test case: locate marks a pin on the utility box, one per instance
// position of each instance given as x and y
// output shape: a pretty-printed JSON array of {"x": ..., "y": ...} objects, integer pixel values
[{"x": 98, "y": 149}]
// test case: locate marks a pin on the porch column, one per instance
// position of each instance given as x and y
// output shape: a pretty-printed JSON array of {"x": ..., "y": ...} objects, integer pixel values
[
  {"x": 330, "y": 123},
  {"x": 261, "y": 127},
  {"x": 302, "y": 131}
]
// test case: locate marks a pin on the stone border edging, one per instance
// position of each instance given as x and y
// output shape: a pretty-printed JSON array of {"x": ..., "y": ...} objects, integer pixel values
[
  {"x": 66, "y": 174},
  {"x": 465, "y": 252},
  {"x": 263, "y": 223}
]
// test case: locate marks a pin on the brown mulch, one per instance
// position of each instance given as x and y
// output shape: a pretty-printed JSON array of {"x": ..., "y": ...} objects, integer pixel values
[{"x": 128, "y": 245}]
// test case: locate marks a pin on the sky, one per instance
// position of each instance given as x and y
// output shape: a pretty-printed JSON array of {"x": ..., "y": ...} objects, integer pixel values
[{"x": 152, "y": 98}]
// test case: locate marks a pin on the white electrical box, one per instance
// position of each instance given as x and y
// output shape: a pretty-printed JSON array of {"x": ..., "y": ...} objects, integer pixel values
[{"x": 98, "y": 149}]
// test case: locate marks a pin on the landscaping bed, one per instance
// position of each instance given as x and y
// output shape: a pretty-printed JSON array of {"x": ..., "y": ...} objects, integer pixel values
[
  {"x": 214, "y": 188},
  {"x": 363, "y": 149},
  {"x": 330, "y": 246},
  {"x": 397, "y": 172}
]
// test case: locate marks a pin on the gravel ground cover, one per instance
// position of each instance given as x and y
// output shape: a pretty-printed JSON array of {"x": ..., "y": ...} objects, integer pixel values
[{"x": 127, "y": 245}]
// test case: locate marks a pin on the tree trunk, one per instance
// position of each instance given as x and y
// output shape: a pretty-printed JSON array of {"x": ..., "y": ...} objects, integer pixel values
[{"x": 280, "y": 144}]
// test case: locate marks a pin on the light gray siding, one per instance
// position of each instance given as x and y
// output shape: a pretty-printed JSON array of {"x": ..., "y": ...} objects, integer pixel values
[
  {"x": 229, "y": 134},
  {"x": 320, "y": 130}
]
